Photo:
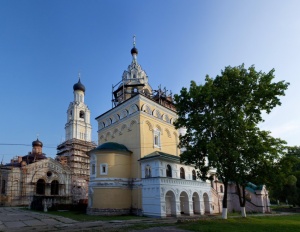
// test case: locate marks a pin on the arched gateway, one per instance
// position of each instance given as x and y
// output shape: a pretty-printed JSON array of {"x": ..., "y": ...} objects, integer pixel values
[{"x": 170, "y": 204}]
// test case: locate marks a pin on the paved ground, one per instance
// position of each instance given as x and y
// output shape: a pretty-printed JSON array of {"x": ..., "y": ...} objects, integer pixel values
[{"x": 16, "y": 220}]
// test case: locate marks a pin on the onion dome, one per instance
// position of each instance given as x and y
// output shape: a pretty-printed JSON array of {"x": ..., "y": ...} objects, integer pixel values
[
  {"x": 37, "y": 142},
  {"x": 79, "y": 86},
  {"x": 134, "y": 51}
]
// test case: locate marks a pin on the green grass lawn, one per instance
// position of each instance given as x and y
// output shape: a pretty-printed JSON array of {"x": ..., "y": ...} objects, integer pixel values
[{"x": 289, "y": 223}]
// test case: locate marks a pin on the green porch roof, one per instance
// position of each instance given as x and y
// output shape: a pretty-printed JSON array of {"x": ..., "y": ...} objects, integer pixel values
[{"x": 158, "y": 154}]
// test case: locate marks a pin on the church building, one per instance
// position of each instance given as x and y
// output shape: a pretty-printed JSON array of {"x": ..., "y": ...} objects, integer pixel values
[
  {"x": 136, "y": 167},
  {"x": 35, "y": 180}
]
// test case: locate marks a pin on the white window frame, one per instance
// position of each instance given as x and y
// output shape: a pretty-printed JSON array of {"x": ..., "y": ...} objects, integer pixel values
[
  {"x": 104, "y": 165},
  {"x": 156, "y": 142},
  {"x": 148, "y": 173}
]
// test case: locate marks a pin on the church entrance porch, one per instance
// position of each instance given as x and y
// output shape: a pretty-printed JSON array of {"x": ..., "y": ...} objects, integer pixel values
[{"x": 165, "y": 197}]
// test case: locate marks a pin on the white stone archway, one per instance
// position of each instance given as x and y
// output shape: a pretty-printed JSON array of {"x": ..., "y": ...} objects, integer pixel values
[
  {"x": 196, "y": 203},
  {"x": 170, "y": 204},
  {"x": 206, "y": 203},
  {"x": 184, "y": 203}
]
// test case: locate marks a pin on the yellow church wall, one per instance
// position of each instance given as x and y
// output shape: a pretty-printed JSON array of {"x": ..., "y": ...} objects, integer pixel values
[
  {"x": 168, "y": 136},
  {"x": 136, "y": 198},
  {"x": 135, "y": 131},
  {"x": 127, "y": 133},
  {"x": 118, "y": 165},
  {"x": 113, "y": 198}
]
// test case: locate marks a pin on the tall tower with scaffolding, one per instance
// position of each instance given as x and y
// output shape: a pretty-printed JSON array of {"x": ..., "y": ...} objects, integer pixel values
[{"x": 73, "y": 151}]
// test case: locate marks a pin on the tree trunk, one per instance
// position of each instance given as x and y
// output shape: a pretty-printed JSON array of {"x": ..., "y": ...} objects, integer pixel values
[
  {"x": 224, "y": 210},
  {"x": 243, "y": 204},
  {"x": 243, "y": 211},
  {"x": 242, "y": 199}
]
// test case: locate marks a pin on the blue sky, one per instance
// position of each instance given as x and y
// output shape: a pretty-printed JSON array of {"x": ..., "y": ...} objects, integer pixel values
[{"x": 44, "y": 44}]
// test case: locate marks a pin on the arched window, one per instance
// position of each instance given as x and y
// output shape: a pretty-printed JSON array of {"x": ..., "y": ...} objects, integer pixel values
[
  {"x": 93, "y": 169},
  {"x": 147, "y": 171},
  {"x": 194, "y": 175},
  {"x": 157, "y": 114},
  {"x": 221, "y": 188},
  {"x": 182, "y": 173},
  {"x": 81, "y": 114},
  {"x": 124, "y": 114},
  {"x": 147, "y": 109},
  {"x": 40, "y": 187},
  {"x": 103, "y": 169},
  {"x": 156, "y": 139},
  {"x": 54, "y": 187},
  {"x": 133, "y": 108},
  {"x": 167, "y": 118},
  {"x": 169, "y": 171}
]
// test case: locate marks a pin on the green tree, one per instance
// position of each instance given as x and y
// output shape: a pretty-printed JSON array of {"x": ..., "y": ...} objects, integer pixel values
[
  {"x": 221, "y": 118},
  {"x": 286, "y": 184},
  {"x": 257, "y": 161}
]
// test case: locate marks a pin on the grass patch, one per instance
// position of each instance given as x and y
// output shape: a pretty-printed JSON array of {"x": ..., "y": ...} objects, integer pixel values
[{"x": 237, "y": 224}]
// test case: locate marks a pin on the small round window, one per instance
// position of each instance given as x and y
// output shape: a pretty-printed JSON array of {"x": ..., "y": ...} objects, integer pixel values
[{"x": 49, "y": 174}]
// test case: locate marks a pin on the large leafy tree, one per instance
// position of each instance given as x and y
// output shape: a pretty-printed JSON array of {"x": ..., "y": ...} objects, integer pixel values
[
  {"x": 257, "y": 162},
  {"x": 221, "y": 118}
]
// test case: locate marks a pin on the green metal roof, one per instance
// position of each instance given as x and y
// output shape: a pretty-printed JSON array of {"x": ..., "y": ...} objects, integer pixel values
[
  {"x": 158, "y": 154},
  {"x": 111, "y": 146},
  {"x": 252, "y": 187}
]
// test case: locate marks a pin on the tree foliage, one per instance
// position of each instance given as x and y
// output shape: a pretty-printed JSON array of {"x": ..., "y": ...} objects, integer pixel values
[
  {"x": 221, "y": 118},
  {"x": 285, "y": 186}
]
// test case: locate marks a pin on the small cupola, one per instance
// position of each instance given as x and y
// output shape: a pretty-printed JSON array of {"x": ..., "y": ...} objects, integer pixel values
[
  {"x": 134, "y": 52},
  {"x": 79, "y": 86},
  {"x": 37, "y": 143},
  {"x": 37, "y": 147}
]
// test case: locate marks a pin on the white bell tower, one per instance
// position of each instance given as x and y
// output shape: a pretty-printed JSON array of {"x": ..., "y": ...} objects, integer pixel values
[
  {"x": 78, "y": 124},
  {"x": 73, "y": 151}
]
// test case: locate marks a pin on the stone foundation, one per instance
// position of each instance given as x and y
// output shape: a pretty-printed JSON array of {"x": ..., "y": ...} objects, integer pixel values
[
  {"x": 113, "y": 212},
  {"x": 107, "y": 212}
]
